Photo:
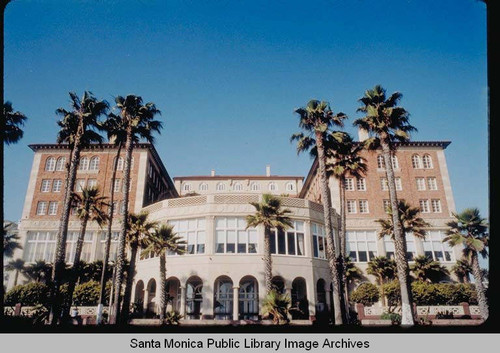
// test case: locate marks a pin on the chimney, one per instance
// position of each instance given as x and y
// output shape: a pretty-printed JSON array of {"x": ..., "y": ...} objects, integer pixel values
[
  {"x": 268, "y": 170},
  {"x": 362, "y": 134},
  {"x": 212, "y": 172}
]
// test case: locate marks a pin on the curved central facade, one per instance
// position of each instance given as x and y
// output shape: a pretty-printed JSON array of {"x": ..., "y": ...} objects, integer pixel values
[{"x": 221, "y": 275}]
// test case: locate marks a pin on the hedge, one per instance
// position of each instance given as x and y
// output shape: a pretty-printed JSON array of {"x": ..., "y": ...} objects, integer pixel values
[{"x": 366, "y": 294}]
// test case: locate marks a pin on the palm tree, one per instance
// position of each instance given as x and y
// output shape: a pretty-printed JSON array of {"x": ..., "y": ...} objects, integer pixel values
[
  {"x": 10, "y": 239},
  {"x": 13, "y": 122},
  {"x": 352, "y": 272},
  {"x": 344, "y": 159},
  {"x": 77, "y": 131},
  {"x": 409, "y": 220},
  {"x": 138, "y": 228},
  {"x": 426, "y": 269},
  {"x": 89, "y": 206},
  {"x": 39, "y": 271},
  {"x": 16, "y": 265},
  {"x": 277, "y": 305},
  {"x": 315, "y": 120},
  {"x": 269, "y": 214},
  {"x": 462, "y": 269},
  {"x": 383, "y": 269},
  {"x": 163, "y": 239},
  {"x": 138, "y": 122},
  {"x": 469, "y": 230}
]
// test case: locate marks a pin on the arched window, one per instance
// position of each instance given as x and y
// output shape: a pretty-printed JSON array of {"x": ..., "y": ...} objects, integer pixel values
[
  {"x": 186, "y": 187},
  {"x": 223, "y": 301},
  {"x": 395, "y": 163},
  {"x": 380, "y": 162},
  {"x": 203, "y": 187},
  {"x": 119, "y": 164},
  {"x": 416, "y": 162},
  {"x": 273, "y": 187},
  {"x": 84, "y": 164},
  {"x": 255, "y": 187},
  {"x": 94, "y": 163},
  {"x": 427, "y": 161},
  {"x": 248, "y": 299},
  {"x": 50, "y": 164},
  {"x": 61, "y": 161},
  {"x": 221, "y": 187},
  {"x": 194, "y": 298},
  {"x": 238, "y": 187},
  {"x": 290, "y": 187}
]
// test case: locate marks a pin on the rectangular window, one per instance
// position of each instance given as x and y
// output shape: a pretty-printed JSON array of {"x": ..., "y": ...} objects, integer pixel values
[
  {"x": 289, "y": 242},
  {"x": 389, "y": 247},
  {"x": 383, "y": 184},
  {"x": 387, "y": 205},
  {"x": 116, "y": 187},
  {"x": 41, "y": 208},
  {"x": 399, "y": 184},
  {"x": 40, "y": 246},
  {"x": 349, "y": 184},
  {"x": 192, "y": 231},
  {"x": 395, "y": 163},
  {"x": 45, "y": 185},
  {"x": 79, "y": 185},
  {"x": 319, "y": 240},
  {"x": 102, "y": 246},
  {"x": 351, "y": 206},
  {"x": 424, "y": 206},
  {"x": 435, "y": 248},
  {"x": 361, "y": 184},
  {"x": 431, "y": 182},
  {"x": 92, "y": 183},
  {"x": 52, "y": 208},
  {"x": 363, "y": 206},
  {"x": 436, "y": 206},
  {"x": 231, "y": 236},
  {"x": 420, "y": 184},
  {"x": 411, "y": 251},
  {"x": 57, "y": 185},
  {"x": 361, "y": 245}
]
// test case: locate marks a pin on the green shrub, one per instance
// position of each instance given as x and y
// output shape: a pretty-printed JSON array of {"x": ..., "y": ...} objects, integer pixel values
[
  {"x": 86, "y": 294},
  {"x": 392, "y": 293},
  {"x": 424, "y": 293},
  {"x": 27, "y": 294},
  {"x": 366, "y": 294},
  {"x": 394, "y": 317},
  {"x": 13, "y": 296}
]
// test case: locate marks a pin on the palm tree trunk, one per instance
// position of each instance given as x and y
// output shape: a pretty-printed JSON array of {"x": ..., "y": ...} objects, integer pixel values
[
  {"x": 382, "y": 290},
  {"x": 130, "y": 280},
  {"x": 330, "y": 247},
  {"x": 407, "y": 312},
  {"x": 120, "y": 256},
  {"x": 108, "y": 238},
  {"x": 16, "y": 277},
  {"x": 268, "y": 261},
  {"x": 163, "y": 280},
  {"x": 343, "y": 246},
  {"x": 76, "y": 264},
  {"x": 478, "y": 279},
  {"x": 59, "y": 262}
]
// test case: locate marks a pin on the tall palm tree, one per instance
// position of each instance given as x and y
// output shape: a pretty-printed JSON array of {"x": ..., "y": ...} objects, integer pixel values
[
  {"x": 39, "y": 271},
  {"x": 269, "y": 214},
  {"x": 16, "y": 265},
  {"x": 89, "y": 207},
  {"x": 163, "y": 239},
  {"x": 344, "y": 159},
  {"x": 138, "y": 229},
  {"x": 409, "y": 219},
  {"x": 316, "y": 119},
  {"x": 469, "y": 230},
  {"x": 462, "y": 269},
  {"x": 352, "y": 272},
  {"x": 139, "y": 123},
  {"x": 10, "y": 239},
  {"x": 389, "y": 124},
  {"x": 13, "y": 123},
  {"x": 77, "y": 130},
  {"x": 426, "y": 269},
  {"x": 383, "y": 269}
]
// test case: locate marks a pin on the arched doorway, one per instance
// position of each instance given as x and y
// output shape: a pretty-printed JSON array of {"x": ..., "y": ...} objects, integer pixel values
[
  {"x": 223, "y": 298},
  {"x": 151, "y": 300},
  {"x": 278, "y": 284},
  {"x": 300, "y": 304},
  {"x": 173, "y": 294},
  {"x": 194, "y": 298},
  {"x": 138, "y": 307},
  {"x": 248, "y": 301}
]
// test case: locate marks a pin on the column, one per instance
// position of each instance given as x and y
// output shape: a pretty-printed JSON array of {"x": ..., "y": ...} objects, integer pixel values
[
  {"x": 308, "y": 240},
  {"x": 288, "y": 292},
  {"x": 145, "y": 301},
  {"x": 207, "y": 307},
  {"x": 311, "y": 296},
  {"x": 327, "y": 293},
  {"x": 209, "y": 235},
  {"x": 182, "y": 309},
  {"x": 236, "y": 291}
]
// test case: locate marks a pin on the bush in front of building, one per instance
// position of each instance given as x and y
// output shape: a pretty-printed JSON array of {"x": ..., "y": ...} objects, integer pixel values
[
  {"x": 28, "y": 294},
  {"x": 366, "y": 294},
  {"x": 392, "y": 292},
  {"x": 87, "y": 293}
]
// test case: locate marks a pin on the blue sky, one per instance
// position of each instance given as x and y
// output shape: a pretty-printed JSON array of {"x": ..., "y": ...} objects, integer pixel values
[{"x": 227, "y": 76}]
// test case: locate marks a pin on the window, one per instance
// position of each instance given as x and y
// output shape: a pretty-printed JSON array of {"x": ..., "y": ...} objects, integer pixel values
[
  {"x": 192, "y": 231},
  {"x": 380, "y": 162},
  {"x": 186, "y": 187},
  {"x": 238, "y": 187},
  {"x": 45, "y": 185},
  {"x": 255, "y": 187},
  {"x": 361, "y": 184},
  {"x": 92, "y": 183},
  {"x": 427, "y": 161},
  {"x": 203, "y": 187},
  {"x": 363, "y": 206},
  {"x": 387, "y": 205},
  {"x": 420, "y": 183},
  {"x": 389, "y": 247},
  {"x": 116, "y": 187},
  {"x": 71, "y": 246},
  {"x": 40, "y": 246},
  {"x": 102, "y": 246},
  {"x": 383, "y": 184},
  {"x": 119, "y": 164},
  {"x": 319, "y": 240},
  {"x": 41, "y": 208},
  {"x": 79, "y": 185},
  {"x": 231, "y": 236},
  {"x": 122, "y": 206},
  {"x": 84, "y": 164},
  {"x": 221, "y": 187},
  {"x": 361, "y": 245},
  {"x": 94, "y": 163},
  {"x": 416, "y": 162},
  {"x": 431, "y": 182},
  {"x": 435, "y": 248},
  {"x": 351, "y": 206},
  {"x": 50, "y": 164},
  {"x": 411, "y": 251},
  {"x": 273, "y": 187},
  {"x": 57, "y": 185},
  {"x": 290, "y": 187},
  {"x": 424, "y": 206},
  {"x": 395, "y": 163},
  {"x": 399, "y": 185},
  {"x": 349, "y": 185},
  {"x": 289, "y": 242},
  {"x": 52, "y": 208},
  {"x": 436, "y": 206},
  {"x": 61, "y": 162}
]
